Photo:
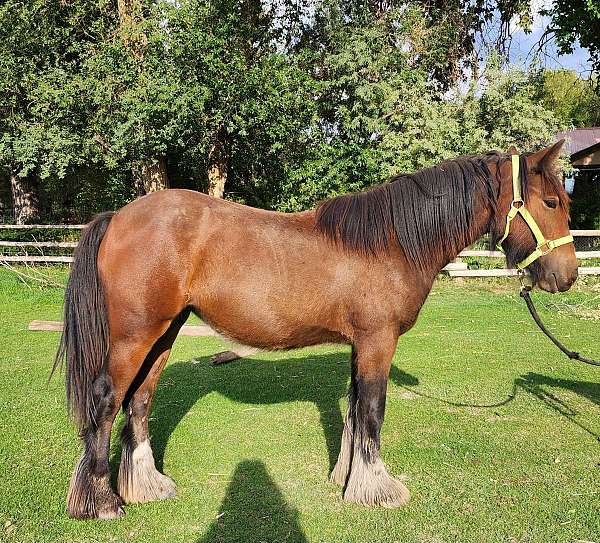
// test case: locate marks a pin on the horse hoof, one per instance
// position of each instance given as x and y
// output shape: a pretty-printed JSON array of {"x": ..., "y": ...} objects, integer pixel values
[
  {"x": 374, "y": 486},
  {"x": 111, "y": 513},
  {"x": 106, "y": 508},
  {"x": 390, "y": 495},
  {"x": 154, "y": 486},
  {"x": 92, "y": 497},
  {"x": 339, "y": 475}
]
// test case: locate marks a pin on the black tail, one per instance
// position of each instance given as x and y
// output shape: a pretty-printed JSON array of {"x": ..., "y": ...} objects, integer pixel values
[{"x": 85, "y": 339}]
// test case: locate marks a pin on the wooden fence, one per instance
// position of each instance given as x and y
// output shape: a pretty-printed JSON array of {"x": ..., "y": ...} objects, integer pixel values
[{"x": 458, "y": 268}]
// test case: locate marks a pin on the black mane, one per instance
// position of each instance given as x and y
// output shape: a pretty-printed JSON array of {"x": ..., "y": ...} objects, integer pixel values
[{"x": 428, "y": 212}]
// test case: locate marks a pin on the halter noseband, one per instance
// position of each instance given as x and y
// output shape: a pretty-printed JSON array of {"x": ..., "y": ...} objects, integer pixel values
[{"x": 517, "y": 207}]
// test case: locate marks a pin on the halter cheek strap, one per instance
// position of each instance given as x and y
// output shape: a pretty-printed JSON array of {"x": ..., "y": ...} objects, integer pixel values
[{"x": 517, "y": 207}]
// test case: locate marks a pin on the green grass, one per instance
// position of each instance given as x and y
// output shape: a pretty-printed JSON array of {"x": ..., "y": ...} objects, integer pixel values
[{"x": 495, "y": 432}]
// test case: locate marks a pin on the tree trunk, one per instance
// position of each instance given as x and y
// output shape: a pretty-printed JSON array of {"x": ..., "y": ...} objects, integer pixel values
[
  {"x": 217, "y": 170},
  {"x": 131, "y": 14},
  {"x": 148, "y": 175},
  {"x": 25, "y": 198},
  {"x": 129, "y": 10},
  {"x": 154, "y": 175}
]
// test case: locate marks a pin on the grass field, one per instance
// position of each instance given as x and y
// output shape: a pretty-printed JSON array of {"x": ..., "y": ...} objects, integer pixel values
[{"x": 495, "y": 432}]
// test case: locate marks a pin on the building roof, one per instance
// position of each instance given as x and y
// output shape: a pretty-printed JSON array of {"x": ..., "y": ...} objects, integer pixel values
[{"x": 579, "y": 139}]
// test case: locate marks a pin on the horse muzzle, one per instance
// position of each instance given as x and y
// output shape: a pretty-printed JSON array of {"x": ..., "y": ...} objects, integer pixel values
[{"x": 557, "y": 281}]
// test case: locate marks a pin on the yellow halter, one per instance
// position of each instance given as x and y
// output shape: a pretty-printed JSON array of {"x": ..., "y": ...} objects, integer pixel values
[{"x": 517, "y": 207}]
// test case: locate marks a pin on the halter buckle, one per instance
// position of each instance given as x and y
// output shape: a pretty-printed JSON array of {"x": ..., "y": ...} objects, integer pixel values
[{"x": 545, "y": 247}]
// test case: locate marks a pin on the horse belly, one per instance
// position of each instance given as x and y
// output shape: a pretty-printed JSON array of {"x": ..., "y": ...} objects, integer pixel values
[{"x": 266, "y": 314}]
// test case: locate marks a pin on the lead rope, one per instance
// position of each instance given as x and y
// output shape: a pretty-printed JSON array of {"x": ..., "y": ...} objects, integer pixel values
[{"x": 571, "y": 354}]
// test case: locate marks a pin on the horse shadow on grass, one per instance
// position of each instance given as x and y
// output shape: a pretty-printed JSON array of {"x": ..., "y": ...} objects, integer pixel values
[
  {"x": 254, "y": 510},
  {"x": 318, "y": 379}
]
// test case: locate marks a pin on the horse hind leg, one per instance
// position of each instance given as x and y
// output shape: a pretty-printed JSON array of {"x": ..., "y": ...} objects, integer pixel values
[
  {"x": 139, "y": 481},
  {"x": 340, "y": 472},
  {"x": 90, "y": 494}
]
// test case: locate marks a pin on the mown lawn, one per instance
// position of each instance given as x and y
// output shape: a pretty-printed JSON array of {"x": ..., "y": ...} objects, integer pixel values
[{"x": 495, "y": 432}]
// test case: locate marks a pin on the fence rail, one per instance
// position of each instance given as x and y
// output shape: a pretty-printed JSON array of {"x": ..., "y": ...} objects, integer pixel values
[
  {"x": 507, "y": 272},
  {"x": 40, "y": 244},
  {"x": 42, "y": 226},
  {"x": 454, "y": 269},
  {"x": 36, "y": 258}
]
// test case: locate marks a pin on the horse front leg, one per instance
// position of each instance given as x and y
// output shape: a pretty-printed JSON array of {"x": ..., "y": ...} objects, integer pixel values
[{"x": 368, "y": 482}]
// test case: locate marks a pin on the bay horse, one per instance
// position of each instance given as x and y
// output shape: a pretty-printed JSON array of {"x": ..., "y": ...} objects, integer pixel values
[{"x": 356, "y": 270}]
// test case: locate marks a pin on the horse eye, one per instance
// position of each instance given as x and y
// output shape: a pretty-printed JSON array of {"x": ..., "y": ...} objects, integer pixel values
[{"x": 550, "y": 203}]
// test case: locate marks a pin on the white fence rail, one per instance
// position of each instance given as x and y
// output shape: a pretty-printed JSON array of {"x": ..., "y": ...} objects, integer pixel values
[
  {"x": 42, "y": 226},
  {"x": 454, "y": 269}
]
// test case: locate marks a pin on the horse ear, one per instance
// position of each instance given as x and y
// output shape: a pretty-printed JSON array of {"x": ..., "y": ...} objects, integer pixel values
[
  {"x": 546, "y": 157},
  {"x": 512, "y": 150}
]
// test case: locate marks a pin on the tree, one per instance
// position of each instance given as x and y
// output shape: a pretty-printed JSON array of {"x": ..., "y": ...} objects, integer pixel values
[
  {"x": 256, "y": 101},
  {"x": 571, "y": 98},
  {"x": 42, "y": 44},
  {"x": 380, "y": 114},
  {"x": 576, "y": 21},
  {"x": 250, "y": 100}
]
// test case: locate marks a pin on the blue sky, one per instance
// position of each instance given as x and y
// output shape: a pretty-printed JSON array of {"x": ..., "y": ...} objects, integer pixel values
[{"x": 523, "y": 44}]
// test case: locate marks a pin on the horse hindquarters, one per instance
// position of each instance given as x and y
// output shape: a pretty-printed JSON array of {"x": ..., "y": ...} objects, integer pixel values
[{"x": 120, "y": 322}]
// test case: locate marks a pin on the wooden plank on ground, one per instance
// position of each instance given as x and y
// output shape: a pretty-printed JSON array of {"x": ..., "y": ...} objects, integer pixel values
[
  {"x": 46, "y": 326},
  {"x": 198, "y": 330}
]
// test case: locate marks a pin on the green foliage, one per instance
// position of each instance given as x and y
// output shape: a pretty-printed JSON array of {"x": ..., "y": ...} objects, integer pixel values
[
  {"x": 510, "y": 112},
  {"x": 44, "y": 114},
  {"x": 304, "y": 108},
  {"x": 570, "y": 98},
  {"x": 381, "y": 116},
  {"x": 256, "y": 100}
]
